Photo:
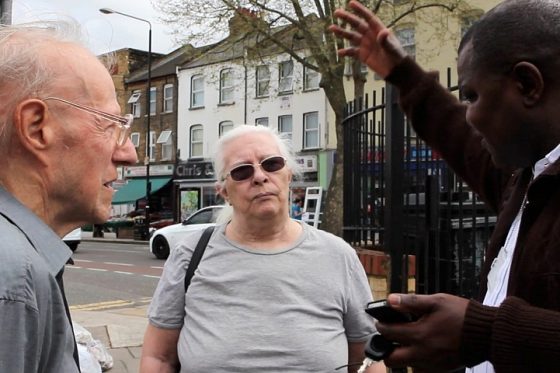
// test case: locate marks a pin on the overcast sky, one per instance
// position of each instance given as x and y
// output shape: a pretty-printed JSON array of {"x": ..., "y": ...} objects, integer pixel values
[{"x": 103, "y": 32}]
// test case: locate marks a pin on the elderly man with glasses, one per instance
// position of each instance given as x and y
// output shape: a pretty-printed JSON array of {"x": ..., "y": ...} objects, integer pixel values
[{"x": 61, "y": 139}]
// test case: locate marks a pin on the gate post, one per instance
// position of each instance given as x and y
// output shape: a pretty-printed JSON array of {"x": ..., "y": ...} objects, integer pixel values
[{"x": 394, "y": 169}]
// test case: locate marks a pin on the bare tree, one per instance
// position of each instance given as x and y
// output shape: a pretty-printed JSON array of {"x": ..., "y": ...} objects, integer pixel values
[{"x": 200, "y": 16}]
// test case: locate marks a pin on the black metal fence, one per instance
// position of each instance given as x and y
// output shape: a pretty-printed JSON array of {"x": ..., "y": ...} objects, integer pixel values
[{"x": 401, "y": 198}]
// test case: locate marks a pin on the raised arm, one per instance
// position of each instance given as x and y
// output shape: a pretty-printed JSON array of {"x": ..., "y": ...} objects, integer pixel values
[{"x": 370, "y": 41}]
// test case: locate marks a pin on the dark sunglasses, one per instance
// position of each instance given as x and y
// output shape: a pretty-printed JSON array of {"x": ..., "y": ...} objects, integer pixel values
[{"x": 247, "y": 170}]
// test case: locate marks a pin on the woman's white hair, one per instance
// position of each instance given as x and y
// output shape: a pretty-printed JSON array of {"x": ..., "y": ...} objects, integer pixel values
[
  {"x": 283, "y": 143},
  {"x": 24, "y": 71}
]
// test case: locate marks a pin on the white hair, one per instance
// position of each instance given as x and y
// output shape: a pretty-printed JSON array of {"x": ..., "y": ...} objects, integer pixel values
[
  {"x": 283, "y": 143},
  {"x": 24, "y": 71}
]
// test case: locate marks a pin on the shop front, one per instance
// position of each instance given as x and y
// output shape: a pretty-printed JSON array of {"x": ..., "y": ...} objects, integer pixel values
[{"x": 195, "y": 187}]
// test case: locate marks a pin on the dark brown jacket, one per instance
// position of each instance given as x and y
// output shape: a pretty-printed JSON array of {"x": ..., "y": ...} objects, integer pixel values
[{"x": 516, "y": 337}]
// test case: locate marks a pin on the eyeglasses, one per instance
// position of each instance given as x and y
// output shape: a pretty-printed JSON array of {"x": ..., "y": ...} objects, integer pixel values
[
  {"x": 123, "y": 123},
  {"x": 247, "y": 170}
]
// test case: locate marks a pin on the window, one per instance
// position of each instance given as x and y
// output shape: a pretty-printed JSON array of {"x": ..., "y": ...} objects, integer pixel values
[
  {"x": 196, "y": 140},
  {"x": 153, "y": 98},
  {"x": 226, "y": 86},
  {"x": 166, "y": 141},
  {"x": 286, "y": 76},
  {"x": 197, "y": 91},
  {"x": 225, "y": 127},
  {"x": 135, "y": 138},
  {"x": 134, "y": 102},
  {"x": 311, "y": 130},
  {"x": 168, "y": 98},
  {"x": 263, "y": 80},
  {"x": 285, "y": 125},
  {"x": 261, "y": 122},
  {"x": 407, "y": 39},
  {"x": 310, "y": 78},
  {"x": 151, "y": 150}
]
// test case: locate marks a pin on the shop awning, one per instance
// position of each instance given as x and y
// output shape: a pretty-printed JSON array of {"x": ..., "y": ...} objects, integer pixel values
[{"x": 135, "y": 189}]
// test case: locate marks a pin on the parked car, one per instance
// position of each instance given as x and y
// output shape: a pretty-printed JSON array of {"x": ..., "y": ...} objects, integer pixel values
[
  {"x": 73, "y": 239},
  {"x": 165, "y": 238}
]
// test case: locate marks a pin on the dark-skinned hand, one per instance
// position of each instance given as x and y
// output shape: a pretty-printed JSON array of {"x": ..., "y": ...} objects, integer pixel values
[
  {"x": 432, "y": 343},
  {"x": 371, "y": 42}
]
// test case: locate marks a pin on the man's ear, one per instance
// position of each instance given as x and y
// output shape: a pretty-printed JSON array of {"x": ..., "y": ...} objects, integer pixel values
[
  {"x": 529, "y": 81},
  {"x": 31, "y": 122}
]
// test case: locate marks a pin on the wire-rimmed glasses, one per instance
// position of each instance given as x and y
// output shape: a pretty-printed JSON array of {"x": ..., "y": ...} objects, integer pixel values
[{"x": 123, "y": 123}]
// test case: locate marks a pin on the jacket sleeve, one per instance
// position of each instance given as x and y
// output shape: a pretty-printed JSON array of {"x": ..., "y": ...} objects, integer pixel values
[
  {"x": 515, "y": 337},
  {"x": 439, "y": 119}
]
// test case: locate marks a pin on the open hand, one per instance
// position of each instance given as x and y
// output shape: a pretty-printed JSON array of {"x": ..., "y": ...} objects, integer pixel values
[{"x": 371, "y": 42}]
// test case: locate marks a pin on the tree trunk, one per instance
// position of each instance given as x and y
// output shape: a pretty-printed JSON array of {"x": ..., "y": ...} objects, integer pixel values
[{"x": 332, "y": 219}]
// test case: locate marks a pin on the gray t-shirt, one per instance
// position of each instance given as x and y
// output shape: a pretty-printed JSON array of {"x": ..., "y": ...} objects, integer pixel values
[{"x": 246, "y": 310}]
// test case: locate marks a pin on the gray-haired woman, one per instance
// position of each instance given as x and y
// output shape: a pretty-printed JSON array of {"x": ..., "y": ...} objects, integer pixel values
[{"x": 271, "y": 294}]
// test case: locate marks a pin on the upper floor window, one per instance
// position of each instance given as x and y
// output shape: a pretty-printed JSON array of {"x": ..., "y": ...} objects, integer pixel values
[
  {"x": 263, "y": 80},
  {"x": 310, "y": 78},
  {"x": 166, "y": 141},
  {"x": 285, "y": 76},
  {"x": 197, "y": 91},
  {"x": 408, "y": 41},
  {"x": 225, "y": 127},
  {"x": 285, "y": 125},
  {"x": 134, "y": 102},
  {"x": 153, "y": 100},
  {"x": 135, "y": 139},
  {"x": 197, "y": 136},
  {"x": 261, "y": 122},
  {"x": 226, "y": 86},
  {"x": 168, "y": 98},
  {"x": 311, "y": 130}
]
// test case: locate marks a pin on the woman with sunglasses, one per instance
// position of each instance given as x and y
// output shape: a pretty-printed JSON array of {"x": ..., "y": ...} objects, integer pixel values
[{"x": 271, "y": 294}]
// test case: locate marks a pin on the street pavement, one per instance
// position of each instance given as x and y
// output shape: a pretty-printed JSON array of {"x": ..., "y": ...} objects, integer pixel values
[{"x": 120, "y": 330}]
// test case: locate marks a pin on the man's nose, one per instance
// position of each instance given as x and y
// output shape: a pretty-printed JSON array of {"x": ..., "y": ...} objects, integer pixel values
[{"x": 126, "y": 154}]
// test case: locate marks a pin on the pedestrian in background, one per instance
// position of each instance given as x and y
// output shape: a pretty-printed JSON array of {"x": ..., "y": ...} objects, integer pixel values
[
  {"x": 297, "y": 210},
  {"x": 503, "y": 139},
  {"x": 271, "y": 294},
  {"x": 61, "y": 138}
]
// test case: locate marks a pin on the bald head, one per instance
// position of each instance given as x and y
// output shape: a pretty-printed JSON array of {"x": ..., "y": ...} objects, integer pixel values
[{"x": 514, "y": 31}]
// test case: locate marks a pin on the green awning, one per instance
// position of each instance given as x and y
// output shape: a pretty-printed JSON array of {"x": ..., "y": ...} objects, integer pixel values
[{"x": 135, "y": 189}]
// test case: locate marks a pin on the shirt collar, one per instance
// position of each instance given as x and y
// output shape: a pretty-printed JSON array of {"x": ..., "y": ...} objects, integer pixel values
[
  {"x": 548, "y": 159},
  {"x": 45, "y": 241}
]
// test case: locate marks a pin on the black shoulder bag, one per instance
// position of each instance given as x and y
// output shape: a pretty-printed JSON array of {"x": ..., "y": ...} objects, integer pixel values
[{"x": 197, "y": 255}]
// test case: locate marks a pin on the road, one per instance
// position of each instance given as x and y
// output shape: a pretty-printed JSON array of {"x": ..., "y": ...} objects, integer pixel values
[{"x": 111, "y": 275}]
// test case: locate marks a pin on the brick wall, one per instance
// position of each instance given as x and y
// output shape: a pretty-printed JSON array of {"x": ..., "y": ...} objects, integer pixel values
[{"x": 377, "y": 266}]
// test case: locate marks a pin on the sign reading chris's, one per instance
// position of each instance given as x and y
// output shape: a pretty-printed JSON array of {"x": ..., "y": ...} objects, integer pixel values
[{"x": 194, "y": 170}]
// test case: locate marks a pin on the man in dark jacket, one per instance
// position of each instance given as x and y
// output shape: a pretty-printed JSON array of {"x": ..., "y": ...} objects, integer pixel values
[{"x": 504, "y": 141}]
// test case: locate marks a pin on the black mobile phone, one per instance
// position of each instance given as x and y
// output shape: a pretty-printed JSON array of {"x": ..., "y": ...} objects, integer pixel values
[{"x": 382, "y": 311}]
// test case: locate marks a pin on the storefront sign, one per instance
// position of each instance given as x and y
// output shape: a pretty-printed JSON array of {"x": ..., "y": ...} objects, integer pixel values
[
  {"x": 194, "y": 170},
  {"x": 155, "y": 170}
]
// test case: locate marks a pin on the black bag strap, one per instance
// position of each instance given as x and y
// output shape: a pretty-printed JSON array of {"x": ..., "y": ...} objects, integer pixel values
[{"x": 197, "y": 255}]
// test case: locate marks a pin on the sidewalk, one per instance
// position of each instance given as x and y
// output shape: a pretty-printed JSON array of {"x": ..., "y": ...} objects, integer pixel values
[
  {"x": 120, "y": 330},
  {"x": 110, "y": 237}
]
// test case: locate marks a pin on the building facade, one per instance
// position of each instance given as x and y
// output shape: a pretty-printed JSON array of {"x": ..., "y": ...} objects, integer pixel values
[{"x": 241, "y": 81}]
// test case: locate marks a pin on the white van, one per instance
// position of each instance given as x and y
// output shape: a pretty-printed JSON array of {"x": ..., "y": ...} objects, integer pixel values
[{"x": 73, "y": 239}]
